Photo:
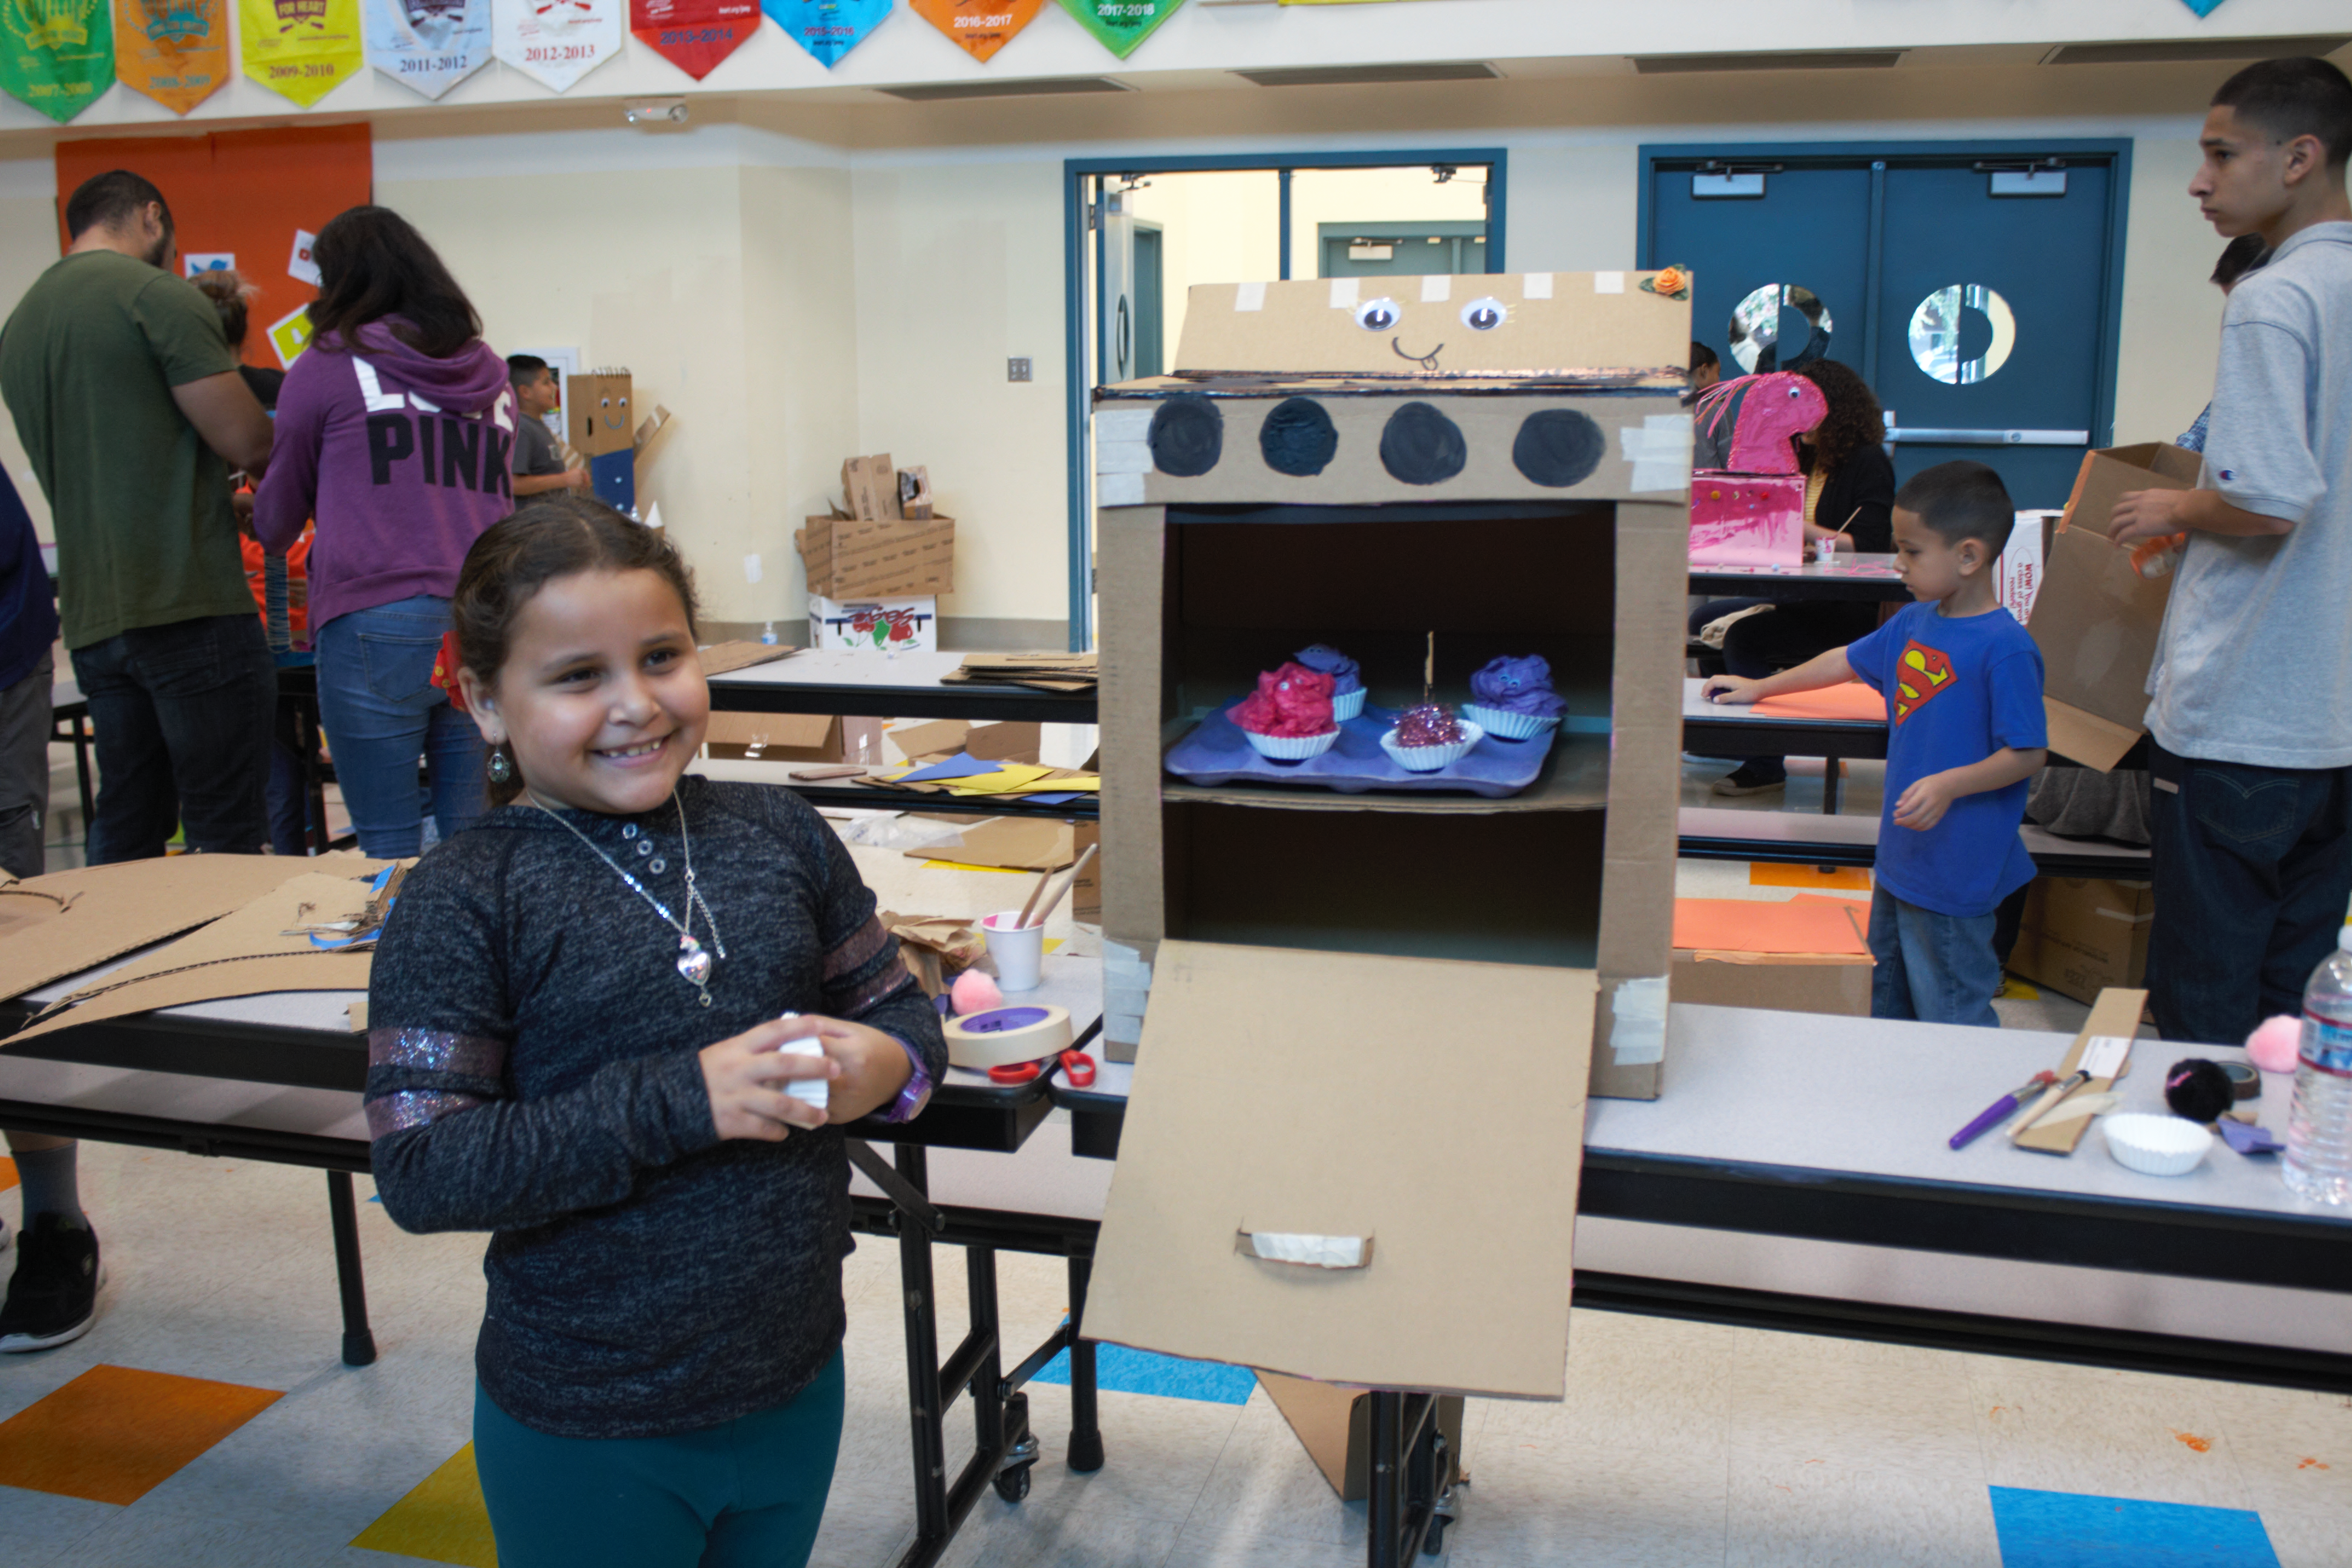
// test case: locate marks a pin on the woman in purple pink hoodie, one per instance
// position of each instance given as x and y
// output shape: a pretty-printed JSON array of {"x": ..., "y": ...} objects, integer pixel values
[{"x": 395, "y": 431}]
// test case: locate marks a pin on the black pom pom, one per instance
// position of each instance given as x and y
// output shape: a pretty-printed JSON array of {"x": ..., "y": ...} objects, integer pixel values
[{"x": 2198, "y": 1089}]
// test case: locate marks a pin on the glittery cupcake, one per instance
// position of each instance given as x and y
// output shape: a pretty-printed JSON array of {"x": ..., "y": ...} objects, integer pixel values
[
  {"x": 1513, "y": 699},
  {"x": 1346, "y": 678},
  {"x": 1429, "y": 738},
  {"x": 1288, "y": 717}
]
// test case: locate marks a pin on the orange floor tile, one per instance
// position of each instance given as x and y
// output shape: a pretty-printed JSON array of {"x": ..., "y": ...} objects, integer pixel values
[
  {"x": 1771, "y": 874},
  {"x": 7, "y": 1173},
  {"x": 115, "y": 1434}
]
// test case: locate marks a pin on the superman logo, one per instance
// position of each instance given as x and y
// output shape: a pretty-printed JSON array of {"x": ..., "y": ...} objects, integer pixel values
[{"x": 1919, "y": 675}]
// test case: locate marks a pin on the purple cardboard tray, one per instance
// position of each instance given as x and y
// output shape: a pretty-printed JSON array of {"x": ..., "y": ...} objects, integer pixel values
[{"x": 1215, "y": 751}]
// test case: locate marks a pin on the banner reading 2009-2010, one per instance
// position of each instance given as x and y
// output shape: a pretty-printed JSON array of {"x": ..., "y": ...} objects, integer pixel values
[
  {"x": 303, "y": 49},
  {"x": 428, "y": 45}
]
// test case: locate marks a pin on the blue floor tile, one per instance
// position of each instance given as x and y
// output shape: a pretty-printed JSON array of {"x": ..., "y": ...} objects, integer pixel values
[
  {"x": 2068, "y": 1529},
  {"x": 1125, "y": 1370}
]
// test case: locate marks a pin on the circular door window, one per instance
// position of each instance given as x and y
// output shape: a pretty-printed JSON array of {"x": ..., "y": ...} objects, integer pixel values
[
  {"x": 1937, "y": 327},
  {"x": 1755, "y": 331}
]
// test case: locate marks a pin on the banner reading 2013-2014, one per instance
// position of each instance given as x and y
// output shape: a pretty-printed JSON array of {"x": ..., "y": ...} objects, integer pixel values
[
  {"x": 428, "y": 45},
  {"x": 55, "y": 55},
  {"x": 694, "y": 35}
]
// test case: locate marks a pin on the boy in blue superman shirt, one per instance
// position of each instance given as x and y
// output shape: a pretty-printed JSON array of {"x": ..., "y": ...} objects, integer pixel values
[{"x": 1965, "y": 732}]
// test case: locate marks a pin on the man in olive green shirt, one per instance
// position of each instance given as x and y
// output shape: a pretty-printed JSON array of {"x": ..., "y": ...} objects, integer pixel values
[{"x": 127, "y": 399}]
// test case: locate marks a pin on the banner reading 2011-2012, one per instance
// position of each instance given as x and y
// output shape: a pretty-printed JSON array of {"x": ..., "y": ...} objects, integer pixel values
[
  {"x": 55, "y": 55},
  {"x": 428, "y": 45},
  {"x": 303, "y": 49}
]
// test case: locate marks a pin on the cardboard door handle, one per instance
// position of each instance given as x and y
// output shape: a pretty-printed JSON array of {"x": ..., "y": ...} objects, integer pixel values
[{"x": 1306, "y": 1251}]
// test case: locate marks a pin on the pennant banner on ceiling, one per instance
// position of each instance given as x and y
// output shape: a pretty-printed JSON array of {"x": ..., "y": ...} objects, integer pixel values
[
  {"x": 175, "y": 51},
  {"x": 55, "y": 55},
  {"x": 1121, "y": 24},
  {"x": 556, "y": 42},
  {"x": 694, "y": 35},
  {"x": 303, "y": 49},
  {"x": 981, "y": 26},
  {"x": 428, "y": 45},
  {"x": 827, "y": 28}
]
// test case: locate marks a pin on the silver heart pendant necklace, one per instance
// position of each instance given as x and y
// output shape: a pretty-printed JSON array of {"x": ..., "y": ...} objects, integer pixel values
[{"x": 694, "y": 960}]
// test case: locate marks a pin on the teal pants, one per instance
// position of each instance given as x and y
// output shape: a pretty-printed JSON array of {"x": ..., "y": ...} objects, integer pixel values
[{"x": 747, "y": 1494}]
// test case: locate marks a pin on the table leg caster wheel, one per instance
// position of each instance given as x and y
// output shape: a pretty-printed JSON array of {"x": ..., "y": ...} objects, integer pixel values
[
  {"x": 1433, "y": 1543},
  {"x": 1012, "y": 1485}
]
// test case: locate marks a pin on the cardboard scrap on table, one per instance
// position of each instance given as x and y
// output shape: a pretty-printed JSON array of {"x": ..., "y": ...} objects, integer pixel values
[
  {"x": 262, "y": 947},
  {"x": 2113, "y": 1017},
  {"x": 1011, "y": 844},
  {"x": 1847, "y": 699},
  {"x": 1039, "y": 671},
  {"x": 1733, "y": 930},
  {"x": 727, "y": 658},
  {"x": 68, "y": 922},
  {"x": 935, "y": 948}
]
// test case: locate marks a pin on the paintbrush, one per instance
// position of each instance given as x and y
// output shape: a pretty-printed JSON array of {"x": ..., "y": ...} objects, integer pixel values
[
  {"x": 1070, "y": 882},
  {"x": 1043, "y": 877},
  {"x": 1829, "y": 545}
]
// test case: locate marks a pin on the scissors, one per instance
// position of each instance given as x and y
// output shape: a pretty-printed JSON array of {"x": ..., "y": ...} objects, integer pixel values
[{"x": 1078, "y": 1070}]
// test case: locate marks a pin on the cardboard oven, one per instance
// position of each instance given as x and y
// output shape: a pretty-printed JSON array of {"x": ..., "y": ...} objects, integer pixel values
[{"x": 1313, "y": 1175}]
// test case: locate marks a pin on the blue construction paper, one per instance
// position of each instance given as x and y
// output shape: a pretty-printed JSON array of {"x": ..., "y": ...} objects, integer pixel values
[
  {"x": 1124, "y": 1371},
  {"x": 2070, "y": 1529},
  {"x": 827, "y": 28},
  {"x": 963, "y": 766},
  {"x": 1058, "y": 799},
  {"x": 1217, "y": 753},
  {"x": 2248, "y": 1140},
  {"x": 2202, "y": 8}
]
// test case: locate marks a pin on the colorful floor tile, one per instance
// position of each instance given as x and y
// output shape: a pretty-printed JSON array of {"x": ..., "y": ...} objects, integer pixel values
[
  {"x": 1844, "y": 879},
  {"x": 1124, "y": 1371},
  {"x": 2068, "y": 1529},
  {"x": 441, "y": 1520},
  {"x": 7, "y": 1173},
  {"x": 115, "y": 1433}
]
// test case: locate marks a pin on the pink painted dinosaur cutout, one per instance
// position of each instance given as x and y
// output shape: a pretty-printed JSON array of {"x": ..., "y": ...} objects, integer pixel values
[{"x": 1779, "y": 405}]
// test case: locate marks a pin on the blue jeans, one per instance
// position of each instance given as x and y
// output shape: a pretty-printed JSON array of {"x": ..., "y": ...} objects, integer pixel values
[
  {"x": 1936, "y": 969},
  {"x": 180, "y": 716},
  {"x": 381, "y": 711},
  {"x": 2254, "y": 867},
  {"x": 748, "y": 1493}
]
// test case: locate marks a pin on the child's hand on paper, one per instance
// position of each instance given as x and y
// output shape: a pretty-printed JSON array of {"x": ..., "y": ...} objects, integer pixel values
[
  {"x": 1736, "y": 689},
  {"x": 873, "y": 1066},
  {"x": 1923, "y": 805},
  {"x": 746, "y": 1078}
]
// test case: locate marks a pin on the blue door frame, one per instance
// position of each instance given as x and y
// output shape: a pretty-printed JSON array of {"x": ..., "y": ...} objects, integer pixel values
[
  {"x": 1076, "y": 172},
  {"x": 1880, "y": 155}
]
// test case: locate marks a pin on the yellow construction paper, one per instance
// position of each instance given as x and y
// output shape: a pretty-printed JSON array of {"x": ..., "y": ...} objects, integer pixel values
[
  {"x": 303, "y": 49},
  {"x": 1054, "y": 787},
  {"x": 1003, "y": 781}
]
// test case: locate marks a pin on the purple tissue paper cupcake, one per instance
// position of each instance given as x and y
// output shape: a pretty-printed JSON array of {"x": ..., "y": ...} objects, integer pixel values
[
  {"x": 1346, "y": 678},
  {"x": 1513, "y": 699}
]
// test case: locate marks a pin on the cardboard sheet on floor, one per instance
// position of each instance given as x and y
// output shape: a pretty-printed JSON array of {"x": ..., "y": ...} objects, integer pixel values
[
  {"x": 68, "y": 922},
  {"x": 245, "y": 953},
  {"x": 1850, "y": 700},
  {"x": 1281, "y": 1091},
  {"x": 1823, "y": 925}
]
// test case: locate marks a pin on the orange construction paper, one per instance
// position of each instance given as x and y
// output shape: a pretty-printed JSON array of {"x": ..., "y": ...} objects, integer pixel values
[
  {"x": 113, "y": 1435},
  {"x": 1850, "y": 700},
  {"x": 1757, "y": 925},
  {"x": 1774, "y": 874}
]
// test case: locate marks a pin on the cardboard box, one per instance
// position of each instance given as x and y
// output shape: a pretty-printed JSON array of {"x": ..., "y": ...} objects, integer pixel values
[
  {"x": 904, "y": 625},
  {"x": 1776, "y": 983},
  {"x": 596, "y": 413},
  {"x": 2083, "y": 935},
  {"x": 870, "y": 486},
  {"x": 943, "y": 738},
  {"x": 795, "y": 738},
  {"x": 1334, "y": 1426},
  {"x": 1747, "y": 520},
  {"x": 846, "y": 558},
  {"x": 2096, "y": 620}
]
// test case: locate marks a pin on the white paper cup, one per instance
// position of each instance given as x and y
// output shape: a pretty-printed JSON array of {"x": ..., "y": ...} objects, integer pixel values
[
  {"x": 1432, "y": 759},
  {"x": 1292, "y": 747},
  {"x": 1018, "y": 949},
  {"x": 1348, "y": 704},
  {"x": 1505, "y": 725}
]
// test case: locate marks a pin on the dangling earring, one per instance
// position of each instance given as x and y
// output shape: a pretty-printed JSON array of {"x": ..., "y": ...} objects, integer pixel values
[{"x": 501, "y": 765}]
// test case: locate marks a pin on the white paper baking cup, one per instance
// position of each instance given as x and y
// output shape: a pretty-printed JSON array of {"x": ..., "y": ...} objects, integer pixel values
[
  {"x": 1505, "y": 725},
  {"x": 1348, "y": 704},
  {"x": 1292, "y": 747},
  {"x": 2157, "y": 1145},
  {"x": 1431, "y": 758}
]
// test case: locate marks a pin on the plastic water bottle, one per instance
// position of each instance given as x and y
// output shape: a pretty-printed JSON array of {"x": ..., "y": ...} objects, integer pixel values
[
  {"x": 2319, "y": 1127},
  {"x": 768, "y": 635}
]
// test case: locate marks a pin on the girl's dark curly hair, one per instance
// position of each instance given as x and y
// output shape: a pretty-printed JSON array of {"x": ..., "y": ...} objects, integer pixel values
[{"x": 1853, "y": 420}]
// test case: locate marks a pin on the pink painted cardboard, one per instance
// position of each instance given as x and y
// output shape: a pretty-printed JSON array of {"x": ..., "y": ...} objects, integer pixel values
[{"x": 1747, "y": 520}]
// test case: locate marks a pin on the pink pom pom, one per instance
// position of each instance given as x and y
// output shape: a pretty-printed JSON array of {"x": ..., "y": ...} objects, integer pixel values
[
  {"x": 2276, "y": 1044},
  {"x": 974, "y": 992}
]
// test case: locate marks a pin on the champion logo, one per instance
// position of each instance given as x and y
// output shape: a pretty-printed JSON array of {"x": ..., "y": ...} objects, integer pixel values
[{"x": 2226, "y": 475}]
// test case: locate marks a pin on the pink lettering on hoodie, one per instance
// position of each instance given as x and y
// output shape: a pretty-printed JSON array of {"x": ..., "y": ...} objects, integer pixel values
[{"x": 402, "y": 459}]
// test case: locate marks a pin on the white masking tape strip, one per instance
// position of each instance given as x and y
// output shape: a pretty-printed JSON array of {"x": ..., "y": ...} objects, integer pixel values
[
  {"x": 1119, "y": 489},
  {"x": 1345, "y": 292},
  {"x": 1536, "y": 286},
  {"x": 1660, "y": 452},
  {"x": 1608, "y": 283},
  {"x": 1306, "y": 1251},
  {"x": 1249, "y": 296},
  {"x": 1002, "y": 1035},
  {"x": 1123, "y": 425},
  {"x": 1637, "y": 1029},
  {"x": 1436, "y": 287},
  {"x": 1122, "y": 456},
  {"x": 2104, "y": 1056}
]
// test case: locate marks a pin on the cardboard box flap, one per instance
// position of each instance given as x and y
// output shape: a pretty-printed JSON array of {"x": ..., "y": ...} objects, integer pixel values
[
  {"x": 774, "y": 732},
  {"x": 1551, "y": 323},
  {"x": 2086, "y": 738},
  {"x": 2096, "y": 622},
  {"x": 1214, "y": 1148}
]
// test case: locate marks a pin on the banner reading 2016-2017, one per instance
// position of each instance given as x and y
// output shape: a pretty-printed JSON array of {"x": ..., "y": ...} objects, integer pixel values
[
  {"x": 428, "y": 45},
  {"x": 980, "y": 26},
  {"x": 556, "y": 42},
  {"x": 55, "y": 55},
  {"x": 1121, "y": 24},
  {"x": 694, "y": 35},
  {"x": 303, "y": 49}
]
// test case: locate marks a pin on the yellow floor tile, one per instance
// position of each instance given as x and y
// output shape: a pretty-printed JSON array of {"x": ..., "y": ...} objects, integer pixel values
[
  {"x": 1772, "y": 874},
  {"x": 115, "y": 1433},
  {"x": 442, "y": 1521}
]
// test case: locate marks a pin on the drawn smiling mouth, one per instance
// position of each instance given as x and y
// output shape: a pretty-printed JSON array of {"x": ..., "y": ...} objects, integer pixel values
[{"x": 1426, "y": 362}]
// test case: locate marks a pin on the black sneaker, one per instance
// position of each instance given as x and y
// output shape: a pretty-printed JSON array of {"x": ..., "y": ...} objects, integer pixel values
[
  {"x": 53, "y": 1295},
  {"x": 1755, "y": 776}
]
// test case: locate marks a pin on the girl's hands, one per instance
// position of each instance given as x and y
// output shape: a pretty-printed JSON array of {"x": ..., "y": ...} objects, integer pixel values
[
  {"x": 746, "y": 1076},
  {"x": 873, "y": 1067},
  {"x": 1732, "y": 688}
]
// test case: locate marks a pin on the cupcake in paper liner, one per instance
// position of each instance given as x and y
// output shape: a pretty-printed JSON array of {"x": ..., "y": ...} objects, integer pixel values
[
  {"x": 1288, "y": 717},
  {"x": 1512, "y": 699},
  {"x": 1346, "y": 678},
  {"x": 1429, "y": 739}
]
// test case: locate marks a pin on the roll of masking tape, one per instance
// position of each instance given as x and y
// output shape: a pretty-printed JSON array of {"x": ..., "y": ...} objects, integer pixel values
[{"x": 1003, "y": 1035}]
